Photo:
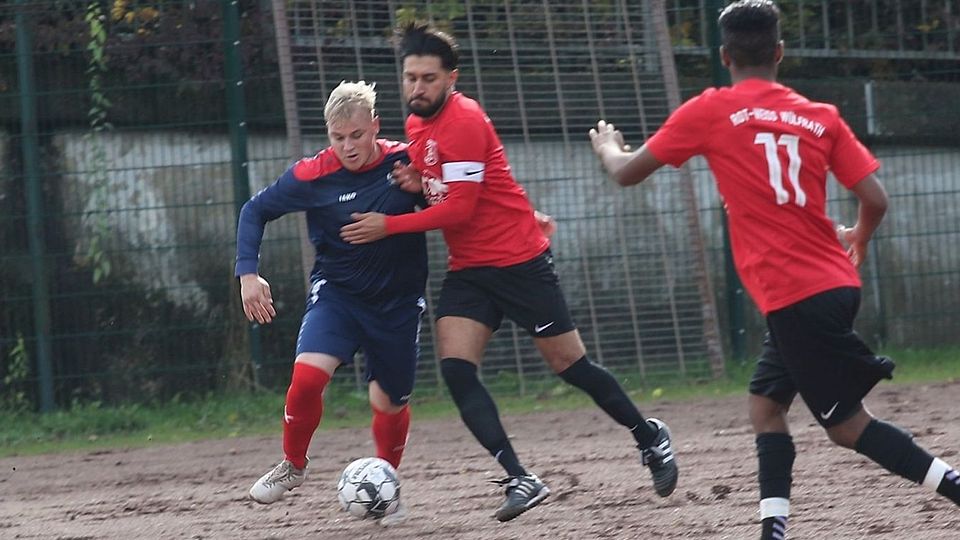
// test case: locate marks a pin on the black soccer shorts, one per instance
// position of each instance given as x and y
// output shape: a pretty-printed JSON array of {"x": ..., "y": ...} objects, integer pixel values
[
  {"x": 528, "y": 293},
  {"x": 812, "y": 349}
]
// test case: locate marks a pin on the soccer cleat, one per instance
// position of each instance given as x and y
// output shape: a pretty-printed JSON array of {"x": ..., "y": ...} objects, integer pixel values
[
  {"x": 397, "y": 517},
  {"x": 659, "y": 457},
  {"x": 523, "y": 493},
  {"x": 272, "y": 486}
]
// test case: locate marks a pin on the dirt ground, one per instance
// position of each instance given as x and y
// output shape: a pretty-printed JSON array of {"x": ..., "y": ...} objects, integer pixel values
[{"x": 198, "y": 490}]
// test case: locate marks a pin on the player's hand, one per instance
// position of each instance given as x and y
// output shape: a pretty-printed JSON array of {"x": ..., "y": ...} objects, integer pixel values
[
  {"x": 856, "y": 245},
  {"x": 367, "y": 227},
  {"x": 407, "y": 177},
  {"x": 547, "y": 224},
  {"x": 605, "y": 137},
  {"x": 257, "y": 300}
]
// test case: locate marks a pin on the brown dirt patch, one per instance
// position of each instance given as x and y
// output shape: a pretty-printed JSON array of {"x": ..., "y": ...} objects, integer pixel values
[{"x": 198, "y": 490}]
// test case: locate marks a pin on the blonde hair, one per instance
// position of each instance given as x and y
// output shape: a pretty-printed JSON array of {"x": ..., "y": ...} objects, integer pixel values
[{"x": 349, "y": 97}]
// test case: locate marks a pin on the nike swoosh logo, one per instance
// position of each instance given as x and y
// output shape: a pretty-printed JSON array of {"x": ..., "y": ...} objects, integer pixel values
[
  {"x": 828, "y": 414},
  {"x": 471, "y": 173},
  {"x": 537, "y": 329}
]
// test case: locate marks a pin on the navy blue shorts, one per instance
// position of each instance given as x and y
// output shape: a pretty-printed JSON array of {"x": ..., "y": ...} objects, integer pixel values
[
  {"x": 338, "y": 325},
  {"x": 812, "y": 349}
]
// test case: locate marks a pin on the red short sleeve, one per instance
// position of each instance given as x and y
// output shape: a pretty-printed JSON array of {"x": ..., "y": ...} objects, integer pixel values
[
  {"x": 850, "y": 160},
  {"x": 684, "y": 134},
  {"x": 463, "y": 138}
]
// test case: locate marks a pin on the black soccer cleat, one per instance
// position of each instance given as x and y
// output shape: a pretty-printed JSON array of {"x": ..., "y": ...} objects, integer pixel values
[
  {"x": 523, "y": 493},
  {"x": 659, "y": 457}
]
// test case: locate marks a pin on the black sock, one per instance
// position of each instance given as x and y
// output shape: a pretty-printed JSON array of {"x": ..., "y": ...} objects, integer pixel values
[
  {"x": 950, "y": 486},
  {"x": 606, "y": 392},
  {"x": 894, "y": 449},
  {"x": 775, "y": 455},
  {"x": 773, "y": 528},
  {"x": 479, "y": 412}
]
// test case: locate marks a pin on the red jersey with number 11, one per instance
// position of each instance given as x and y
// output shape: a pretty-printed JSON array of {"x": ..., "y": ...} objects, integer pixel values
[{"x": 769, "y": 149}]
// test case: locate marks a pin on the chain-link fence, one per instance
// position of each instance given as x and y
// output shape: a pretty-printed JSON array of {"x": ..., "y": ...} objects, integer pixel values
[
  {"x": 892, "y": 69},
  {"x": 630, "y": 262},
  {"x": 130, "y": 131}
]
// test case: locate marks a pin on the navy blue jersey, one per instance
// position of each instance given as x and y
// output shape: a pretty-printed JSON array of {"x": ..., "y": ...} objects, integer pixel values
[{"x": 381, "y": 273}]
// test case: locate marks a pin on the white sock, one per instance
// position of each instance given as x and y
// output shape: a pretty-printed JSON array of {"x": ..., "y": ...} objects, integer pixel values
[
  {"x": 935, "y": 474},
  {"x": 773, "y": 507}
]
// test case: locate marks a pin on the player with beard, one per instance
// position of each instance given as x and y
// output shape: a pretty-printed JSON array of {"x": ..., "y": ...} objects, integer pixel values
[
  {"x": 770, "y": 149},
  {"x": 500, "y": 266}
]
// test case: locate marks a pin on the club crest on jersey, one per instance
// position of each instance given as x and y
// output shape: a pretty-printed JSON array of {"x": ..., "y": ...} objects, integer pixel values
[{"x": 431, "y": 156}]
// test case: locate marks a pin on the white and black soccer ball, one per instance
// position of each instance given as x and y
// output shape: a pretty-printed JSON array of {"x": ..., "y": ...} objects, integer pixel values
[{"x": 368, "y": 488}]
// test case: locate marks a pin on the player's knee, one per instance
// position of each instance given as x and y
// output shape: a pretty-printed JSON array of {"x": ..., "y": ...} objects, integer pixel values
[
  {"x": 848, "y": 432},
  {"x": 767, "y": 415},
  {"x": 841, "y": 437},
  {"x": 457, "y": 373},
  {"x": 578, "y": 370},
  {"x": 381, "y": 401}
]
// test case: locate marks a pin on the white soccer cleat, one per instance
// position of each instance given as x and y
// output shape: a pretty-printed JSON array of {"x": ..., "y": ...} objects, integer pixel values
[{"x": 272, "y": 486}]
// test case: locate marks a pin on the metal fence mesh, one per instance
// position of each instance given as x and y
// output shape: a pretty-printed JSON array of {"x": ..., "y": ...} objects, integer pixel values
[
  {"x": 545, "y": 72},
  {"x": 117, "y": 205}
]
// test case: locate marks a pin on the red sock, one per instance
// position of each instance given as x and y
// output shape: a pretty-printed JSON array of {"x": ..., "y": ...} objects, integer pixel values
[
  {"x": 303, "y": 411},
  {"x": 390, "y": 434}
]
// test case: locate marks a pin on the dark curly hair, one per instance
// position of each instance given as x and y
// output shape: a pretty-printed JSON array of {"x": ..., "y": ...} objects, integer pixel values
[
  {"x": 750, "y": 32},
  {"x": 423, "y": 39}
]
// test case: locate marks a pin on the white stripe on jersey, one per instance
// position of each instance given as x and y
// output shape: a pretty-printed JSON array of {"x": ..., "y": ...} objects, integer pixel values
[{"x": 463, "y": 171}]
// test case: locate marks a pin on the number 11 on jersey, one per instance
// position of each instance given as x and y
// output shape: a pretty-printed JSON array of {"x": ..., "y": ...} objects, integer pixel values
[{"x": 792, "y": 144}]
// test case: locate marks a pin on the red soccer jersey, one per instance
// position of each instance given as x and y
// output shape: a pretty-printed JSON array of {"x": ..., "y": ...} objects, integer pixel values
[
  {"x": 460, "y": 145},
  {"x": 769, "y": 149}
]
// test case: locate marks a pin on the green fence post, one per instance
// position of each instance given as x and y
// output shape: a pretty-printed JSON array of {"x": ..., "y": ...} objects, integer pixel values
[
  {"x": 35, "y": 230},
  {"x": 734, "y": 289},
  {"x": 236, "y": 119}
]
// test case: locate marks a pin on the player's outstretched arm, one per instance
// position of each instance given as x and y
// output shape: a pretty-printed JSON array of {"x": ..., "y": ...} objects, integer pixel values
[
  {"x": 457, "y": 208},
  {"x": 873, "y": 206},
  {"x": 625, "y": 167},
  {"x": 256, "y": 297}
]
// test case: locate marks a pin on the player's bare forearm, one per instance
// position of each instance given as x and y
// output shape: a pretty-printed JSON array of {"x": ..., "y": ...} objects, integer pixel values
[
  {"x": 638, "y": 167},
  {"x": 627, "y": 168},
  {"x": 873, "y": 206},
  {"x": 614, "y": 160}
]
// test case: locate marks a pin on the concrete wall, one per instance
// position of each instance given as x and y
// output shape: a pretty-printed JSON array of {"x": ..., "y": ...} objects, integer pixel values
[
  {"x": 169, "y": 202},
  {"x": 172, "y": 220}
]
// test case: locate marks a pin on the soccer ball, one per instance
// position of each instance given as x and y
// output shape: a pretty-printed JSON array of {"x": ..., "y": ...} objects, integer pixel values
[{"x": 368, "y": 488}]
